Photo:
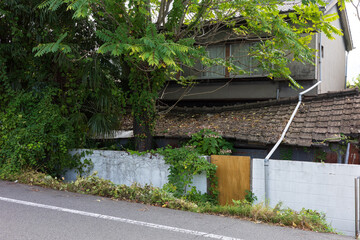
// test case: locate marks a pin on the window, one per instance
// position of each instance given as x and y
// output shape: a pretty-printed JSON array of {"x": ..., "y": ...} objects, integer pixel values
[
  {"x": 217, "y": 51},
  {"x": 240, "y": 57}
]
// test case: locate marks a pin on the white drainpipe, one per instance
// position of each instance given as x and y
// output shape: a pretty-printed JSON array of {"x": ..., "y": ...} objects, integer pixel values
[
  {"x": 266, "y": 160},
  {"x": 347, "y": 154}
]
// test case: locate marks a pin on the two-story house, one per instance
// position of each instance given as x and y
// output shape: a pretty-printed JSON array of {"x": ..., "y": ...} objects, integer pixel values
[
  {"x": 215, "y": 84},
  {"x": 320, "y": 128}
]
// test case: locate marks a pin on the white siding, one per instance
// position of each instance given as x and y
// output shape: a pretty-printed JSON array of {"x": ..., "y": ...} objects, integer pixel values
[{"x": 333, "y": 61}]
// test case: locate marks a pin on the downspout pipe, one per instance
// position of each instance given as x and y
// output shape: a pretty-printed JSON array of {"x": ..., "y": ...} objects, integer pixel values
[
  {"x": 267, "y": 158},
  {"x": 346, "y": 68},
  {"x": 347, "y": 154}
]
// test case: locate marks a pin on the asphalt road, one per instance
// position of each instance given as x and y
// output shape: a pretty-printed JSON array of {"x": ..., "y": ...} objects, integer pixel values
[{"x": 28, "y": 212}]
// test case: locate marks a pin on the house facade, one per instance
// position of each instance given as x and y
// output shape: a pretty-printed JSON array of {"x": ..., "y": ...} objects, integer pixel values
[{"x": 217, "y": 84}]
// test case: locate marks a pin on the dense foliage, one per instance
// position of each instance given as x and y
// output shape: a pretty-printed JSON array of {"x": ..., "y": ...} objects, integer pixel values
[
  {"x": 154, "y": 39},
  {"x": 207, "y": 142},
  {"x": 184, "y": 163},
  {"x": 35, "y": 134},
  {"x": 189, "y": 160},
  {"x": 49, "y": 104},
  {"x": 68, "y": 67}
]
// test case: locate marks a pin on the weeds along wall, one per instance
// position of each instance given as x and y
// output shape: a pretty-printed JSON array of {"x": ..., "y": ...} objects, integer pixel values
[
  {"x": 327, "y": 188},
  {"x": 124, "y": 168}
]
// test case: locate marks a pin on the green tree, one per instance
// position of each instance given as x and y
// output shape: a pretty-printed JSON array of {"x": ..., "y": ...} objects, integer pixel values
[
  {"x": 48, "y": 103},
  {"x": 155, "y": 39},
  {"x": 33, "y": 131}
]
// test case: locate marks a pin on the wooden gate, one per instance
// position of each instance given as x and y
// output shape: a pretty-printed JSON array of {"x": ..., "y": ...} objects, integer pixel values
[{"x": 233, "y": 174}]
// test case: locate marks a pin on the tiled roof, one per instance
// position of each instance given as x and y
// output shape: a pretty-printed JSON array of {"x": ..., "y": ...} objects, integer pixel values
[{"x": 320, "y": 120}]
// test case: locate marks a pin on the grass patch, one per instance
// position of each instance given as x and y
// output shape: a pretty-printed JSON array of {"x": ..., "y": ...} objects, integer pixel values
[
  {"x": 305, "y": 219},
  {"x": 100, "y": 187}
]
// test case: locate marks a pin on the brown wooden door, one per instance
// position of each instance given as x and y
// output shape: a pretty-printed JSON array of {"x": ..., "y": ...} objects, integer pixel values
[{"x": 233, "y": 174}]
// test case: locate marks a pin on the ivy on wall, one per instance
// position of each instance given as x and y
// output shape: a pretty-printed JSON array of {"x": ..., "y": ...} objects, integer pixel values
[{"x": 187, "y": 161}]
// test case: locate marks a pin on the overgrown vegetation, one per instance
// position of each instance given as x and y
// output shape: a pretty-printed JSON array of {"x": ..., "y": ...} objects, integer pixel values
[
  {"x": 96, "y": 186},
  {"x": 49, "y": 105},
  {"x": 154, "y": 40},
  {"x": 184, "y": 164},
  {"x": 305, "y": 219},
  {"x": 69, "y": 69},
  {"x": 35, "y": 134},
  {"x": 207, "y": 142},
  {"x": 189, "y": 160}
]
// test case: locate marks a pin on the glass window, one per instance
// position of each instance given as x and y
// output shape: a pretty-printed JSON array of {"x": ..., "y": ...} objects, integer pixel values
[
  {"x": 195, "y": 70},
  {"x": 215, "y": 71},
  {"x": 239, "y": 53}
]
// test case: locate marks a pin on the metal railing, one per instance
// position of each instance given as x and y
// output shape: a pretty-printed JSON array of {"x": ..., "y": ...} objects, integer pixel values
[{"x": 357, "y": 208}]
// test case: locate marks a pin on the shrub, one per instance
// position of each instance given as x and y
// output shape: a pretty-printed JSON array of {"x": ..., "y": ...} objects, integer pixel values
[
  {"x": 34, "y": 134},
  {"x": 184, "y": 164},
  {"x": 207, "y": 142}
]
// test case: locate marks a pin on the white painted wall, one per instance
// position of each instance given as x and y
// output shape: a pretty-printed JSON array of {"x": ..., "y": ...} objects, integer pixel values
[
  {"x": 124, "y": 168},
  {"x": 333, "y": 66},
  {"x": 327, "y": 188}
]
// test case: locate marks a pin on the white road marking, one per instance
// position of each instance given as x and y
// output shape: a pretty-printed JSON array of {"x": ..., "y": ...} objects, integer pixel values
[{"x": 123, "y": 220}]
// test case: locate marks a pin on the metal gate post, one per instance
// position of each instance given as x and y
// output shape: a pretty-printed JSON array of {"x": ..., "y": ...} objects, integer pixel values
[{"x": 357, "y": 213}]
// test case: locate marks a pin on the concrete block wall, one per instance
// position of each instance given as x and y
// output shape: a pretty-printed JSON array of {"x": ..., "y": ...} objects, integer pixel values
[
  {"x": 327, "y": 188},
  {"x": 124, "y": 168}
]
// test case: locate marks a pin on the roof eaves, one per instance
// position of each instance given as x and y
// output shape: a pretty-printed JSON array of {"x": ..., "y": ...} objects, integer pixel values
[
  {"x": 268, "y": 103},
  {"x": 344, "y": 21}
]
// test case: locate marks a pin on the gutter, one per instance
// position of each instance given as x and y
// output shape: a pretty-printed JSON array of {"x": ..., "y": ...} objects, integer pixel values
[{"x": 267, "y": 158}]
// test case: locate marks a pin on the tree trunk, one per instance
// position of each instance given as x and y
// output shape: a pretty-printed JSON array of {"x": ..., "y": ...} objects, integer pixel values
[{"x": 142, "y": 135}]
